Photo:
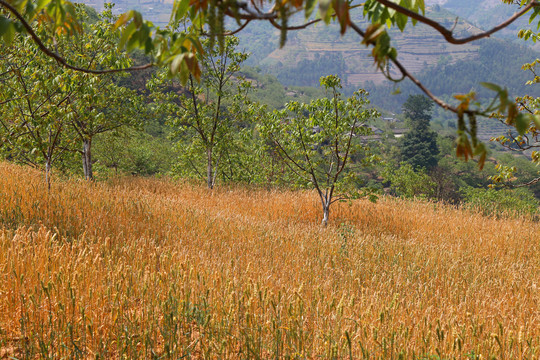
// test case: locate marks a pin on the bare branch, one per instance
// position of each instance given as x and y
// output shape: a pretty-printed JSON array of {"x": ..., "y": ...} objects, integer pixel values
[
  {"x": 297, "y": 27},
  {"x": 448, "y": 34},
  {"x": 532, "y": 182}
]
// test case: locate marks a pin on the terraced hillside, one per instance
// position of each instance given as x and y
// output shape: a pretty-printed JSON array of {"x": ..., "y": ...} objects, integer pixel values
[
  {"x": 489, "y": 128},
  {"x": 418, "y": 47}
]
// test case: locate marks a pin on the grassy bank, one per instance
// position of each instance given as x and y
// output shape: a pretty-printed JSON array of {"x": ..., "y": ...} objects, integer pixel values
[{"x": 146, "y": 268}]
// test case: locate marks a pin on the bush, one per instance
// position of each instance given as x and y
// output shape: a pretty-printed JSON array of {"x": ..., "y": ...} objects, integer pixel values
[
  {"x": 502, "y": 202},
  {"x": 407, "y": 182}
]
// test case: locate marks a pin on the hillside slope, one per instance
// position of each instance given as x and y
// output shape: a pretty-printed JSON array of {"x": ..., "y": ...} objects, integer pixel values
[{"x": 148, "y": 268}]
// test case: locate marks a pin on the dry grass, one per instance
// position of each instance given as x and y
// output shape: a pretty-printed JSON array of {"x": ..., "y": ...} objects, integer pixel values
[{"x": 145, "y": 268}]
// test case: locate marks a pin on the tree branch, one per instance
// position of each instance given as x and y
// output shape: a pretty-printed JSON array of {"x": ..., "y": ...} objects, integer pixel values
[
  {"x": 448, "y": 34},
  {"x": 407, "y": 74},
  {"x": 532, "y": 182},
  {"x": 297, "y": 27},
  {"x": 62, "y": 61}
]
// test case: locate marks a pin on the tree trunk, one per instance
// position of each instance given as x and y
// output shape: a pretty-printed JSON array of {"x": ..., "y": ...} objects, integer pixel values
[
  {"x": 87, "y": 159},
  {"x": 209, "y": 177},
  {"x": 48, "y": 167},
  {"x": 326, "y": 214}
]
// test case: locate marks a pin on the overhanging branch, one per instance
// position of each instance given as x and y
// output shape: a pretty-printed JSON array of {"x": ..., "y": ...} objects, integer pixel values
[
  {"x": 61, "y": 60},
  {"x": 448, "y": 34}
]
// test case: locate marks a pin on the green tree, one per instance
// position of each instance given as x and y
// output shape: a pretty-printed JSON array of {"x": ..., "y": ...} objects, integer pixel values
[
  {"x": 419, "y": 146},
  {"x": 34, "y": 113},
  {"x": 97, "y": 105},
  {"x": 205, "y": 118},
  {"x": 408, "y": 182},
  {"x": 316, "y": 140}
]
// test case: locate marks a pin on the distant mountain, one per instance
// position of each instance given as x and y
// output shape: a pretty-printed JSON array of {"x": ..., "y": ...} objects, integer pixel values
[
  {"x": 320, "y": 50},
  {"x": 497, "y": 61}
]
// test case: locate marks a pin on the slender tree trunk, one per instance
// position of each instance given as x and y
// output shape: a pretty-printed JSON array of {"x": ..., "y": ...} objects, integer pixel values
[
  {"x": 326, "y": 215},
  {"x": 209, "y": 177},
  {"x": 48, "y": 167},
  {"x": 87, "y": 159},
  {"x": 215, "y": 171}
]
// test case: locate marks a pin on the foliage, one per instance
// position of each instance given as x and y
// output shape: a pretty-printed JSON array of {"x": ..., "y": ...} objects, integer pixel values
[
  {"x": 509, "y": 202},
  {"x": 99, "y": 104},
  {"x": 316, "y": 140},
  {"x": 409, "y": 182},
  {"x": 180, "y": 51},
  {"x": 50, "y": 109},
  {"x": 34, "y": 113},
  {"x": 206, "y": 118},
  {"x": 132, "y": 152}
]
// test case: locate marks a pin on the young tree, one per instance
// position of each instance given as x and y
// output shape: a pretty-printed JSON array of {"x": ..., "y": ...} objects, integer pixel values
[
  {"x": 205, "y": 118},
  {"x": 97, "y": 104},
  {"x": 103, "y": 107},
  {"x": 419, "y": 146},
  {"x": 316, "y": 140}
]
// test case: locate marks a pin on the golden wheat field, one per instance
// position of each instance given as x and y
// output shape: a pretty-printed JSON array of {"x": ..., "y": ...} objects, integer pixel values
[{"x": 139, "y": 268}]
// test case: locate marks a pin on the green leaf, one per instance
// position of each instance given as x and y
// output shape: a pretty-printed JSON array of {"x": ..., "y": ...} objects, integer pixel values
[
  {"x": 309, "y": 7},
  {"x": 126, "y": 35},
  {"x": 7, "y": 30},
  {"x": 401, "y": 21},
  {"x": 5, "y": 24},
  {"x": 536, "y": 120},
  {"x": 324, "y": 5},
  {"x": 491, "y": 86},
  {"x": 176, "y": 63},
  {"x": 180, "y": 10},
  {"x": 41, "y": 4},
  {"x": 123, "y": 19},
  {"x": 522, "y": 123}
]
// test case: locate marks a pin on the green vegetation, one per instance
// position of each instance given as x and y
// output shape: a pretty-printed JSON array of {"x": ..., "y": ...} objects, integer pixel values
[
  {"x": 316, "y": 141},
  {"x": 180, "y": 126},
  {"x": 191, "y": 229},
  {"x": 419, "y": 145}
]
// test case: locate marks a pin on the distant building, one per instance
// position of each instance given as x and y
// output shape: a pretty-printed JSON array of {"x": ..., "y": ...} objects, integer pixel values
[{"x": 399, "y": 132}]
